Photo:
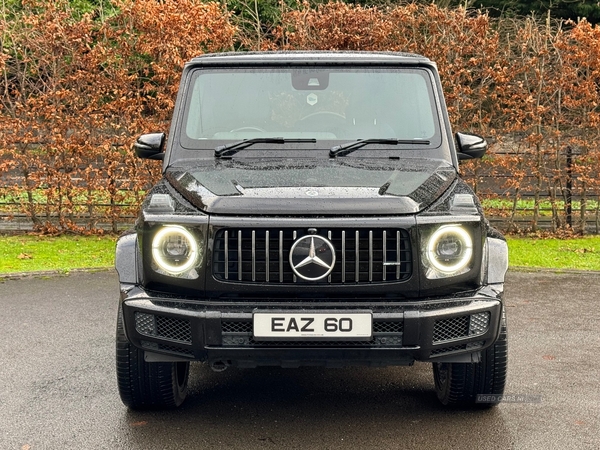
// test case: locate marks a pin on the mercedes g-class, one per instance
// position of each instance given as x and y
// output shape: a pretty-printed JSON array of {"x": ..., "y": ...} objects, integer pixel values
[{"x": 310, "y": 213}]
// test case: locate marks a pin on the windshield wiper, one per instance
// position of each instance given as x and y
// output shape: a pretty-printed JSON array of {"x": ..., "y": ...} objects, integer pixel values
[
  {"x": 234, "y": 147},
  {"x": 349, "y": 147}
]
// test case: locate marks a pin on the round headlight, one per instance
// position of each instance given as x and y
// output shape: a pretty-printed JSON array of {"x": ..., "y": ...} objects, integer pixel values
[
  {"x": 450, "y": 249},
  {"x": 174, "y": 249}
]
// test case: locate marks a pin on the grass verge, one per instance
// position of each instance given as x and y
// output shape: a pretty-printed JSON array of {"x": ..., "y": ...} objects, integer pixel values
[
  {"x": 26, "y": 253},
  {"x": 575, "y": 254}
]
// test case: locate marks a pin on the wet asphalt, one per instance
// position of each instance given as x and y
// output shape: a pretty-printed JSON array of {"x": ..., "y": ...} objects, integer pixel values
[{"x": 58, "y": 387}]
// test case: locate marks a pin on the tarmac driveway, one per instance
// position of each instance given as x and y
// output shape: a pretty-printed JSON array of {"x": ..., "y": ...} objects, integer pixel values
[{"x": 58, "y": 386}]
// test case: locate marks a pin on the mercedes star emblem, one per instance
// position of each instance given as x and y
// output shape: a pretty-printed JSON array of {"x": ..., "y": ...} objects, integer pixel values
[{"x": 312, "y": 257}]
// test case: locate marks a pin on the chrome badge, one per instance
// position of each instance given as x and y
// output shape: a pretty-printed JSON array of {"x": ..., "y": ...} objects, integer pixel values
[{"x": 312, "y": 257}]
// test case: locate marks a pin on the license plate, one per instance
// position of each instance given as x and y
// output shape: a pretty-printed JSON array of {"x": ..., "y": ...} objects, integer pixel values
[{"x": 307, "y": 326}]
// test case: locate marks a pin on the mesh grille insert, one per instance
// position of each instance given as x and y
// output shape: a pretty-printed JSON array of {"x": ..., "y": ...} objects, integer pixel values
[
  {"x": 479, "y": 323},
  {"x": 174, "y": 329},
  {"x": 388, "y": 327},
  {"x": 144, "y": 324},
  {"x": 235, "y": 326},
  {"x": 453, "y": 328},
  {"x": 163, "y": 327}
]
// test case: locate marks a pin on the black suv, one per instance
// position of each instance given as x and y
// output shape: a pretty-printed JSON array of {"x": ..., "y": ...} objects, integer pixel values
[{"x": 311, "y": 213}]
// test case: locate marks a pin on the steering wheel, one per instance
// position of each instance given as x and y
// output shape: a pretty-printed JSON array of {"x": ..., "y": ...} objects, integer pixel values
[
  {"x": 329, "y": 113},
  {"x": 250, "y": 128}
]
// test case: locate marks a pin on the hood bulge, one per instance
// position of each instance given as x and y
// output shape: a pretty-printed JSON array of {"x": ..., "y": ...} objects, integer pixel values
[{"x": 349, "y": 186}]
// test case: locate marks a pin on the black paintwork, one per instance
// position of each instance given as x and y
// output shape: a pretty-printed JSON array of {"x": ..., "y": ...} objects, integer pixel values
[
  {"x": 358, "y": 187},
  {"x": 310, "y": 190}
]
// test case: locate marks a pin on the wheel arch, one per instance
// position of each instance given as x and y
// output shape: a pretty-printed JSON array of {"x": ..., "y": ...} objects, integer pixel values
[
  {"x": 495, "y": 264},
  {"x": 127, "y": 258}
]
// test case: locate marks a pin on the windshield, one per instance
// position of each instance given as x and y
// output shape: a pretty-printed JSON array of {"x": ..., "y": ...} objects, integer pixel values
[{"x": 333, "y": 106}]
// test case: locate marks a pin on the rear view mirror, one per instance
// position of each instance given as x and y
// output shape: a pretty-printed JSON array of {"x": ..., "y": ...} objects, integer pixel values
[
  {"x": 150, "y": 146},
  {"x": 470, "y": 146}
]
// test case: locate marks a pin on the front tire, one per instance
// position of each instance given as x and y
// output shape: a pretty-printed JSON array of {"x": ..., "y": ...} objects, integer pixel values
[
  {"x": 145, "y": 385},
  {"x": 459, "y": 384}
]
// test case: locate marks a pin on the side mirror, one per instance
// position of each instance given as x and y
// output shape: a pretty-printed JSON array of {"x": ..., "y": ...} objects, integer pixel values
[
  {"x": 150, "y": 146},
  {"x": 470, "y": 146}
]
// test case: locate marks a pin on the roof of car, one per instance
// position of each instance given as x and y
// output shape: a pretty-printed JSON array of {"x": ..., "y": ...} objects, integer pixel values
[{"x": 310, "y": 58}]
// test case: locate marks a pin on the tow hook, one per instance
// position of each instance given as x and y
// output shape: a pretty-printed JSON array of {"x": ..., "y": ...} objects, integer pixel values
[{"x": 219, "y": 366}]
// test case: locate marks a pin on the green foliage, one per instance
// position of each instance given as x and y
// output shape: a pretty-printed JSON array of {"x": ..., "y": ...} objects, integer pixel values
[{"x": 100, "y": 9}]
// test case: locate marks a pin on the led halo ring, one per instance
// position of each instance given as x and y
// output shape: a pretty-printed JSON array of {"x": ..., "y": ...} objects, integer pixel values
[
  {"x": 465, "y": 239},
  {"x": 157, "y": 244}
]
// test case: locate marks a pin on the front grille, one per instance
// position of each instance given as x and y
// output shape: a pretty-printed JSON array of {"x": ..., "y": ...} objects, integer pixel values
[
  {"x": 163, "y": 327},
  {"x": 363, "y": 255}
]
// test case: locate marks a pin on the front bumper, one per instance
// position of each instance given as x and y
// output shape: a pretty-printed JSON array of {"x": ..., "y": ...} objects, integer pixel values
[{"x": 438, "y": 329}]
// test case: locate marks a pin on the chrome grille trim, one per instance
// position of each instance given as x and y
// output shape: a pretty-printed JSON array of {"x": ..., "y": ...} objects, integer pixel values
[{"x": 261, "y": 255}]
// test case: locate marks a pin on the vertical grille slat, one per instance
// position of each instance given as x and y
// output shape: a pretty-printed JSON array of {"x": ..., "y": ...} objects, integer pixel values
[
  {"x": 239, "y": 255},
  {"x": 383, "y": 267},
  {"x": 357, "y": 256},
  {"x": 267, "y": 259},
  {"x": 363, "y": 255},
  {"x": 329, "y": 237},
  {"x": 253, "y": 255},
  {"x": 343, "y": 256},
  {"x": 281, "y": 256},
  {"x": 397, "y": 253},
  {"x": 370, "y": 255},
  {"x": 226, "y": 254}
]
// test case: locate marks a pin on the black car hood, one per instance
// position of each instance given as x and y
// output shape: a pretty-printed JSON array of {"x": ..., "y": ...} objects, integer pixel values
[{"x": 348, "y": 186}]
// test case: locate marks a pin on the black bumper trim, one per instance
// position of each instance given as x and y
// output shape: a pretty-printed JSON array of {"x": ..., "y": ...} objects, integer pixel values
[{"x": 417, "y": 341}]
